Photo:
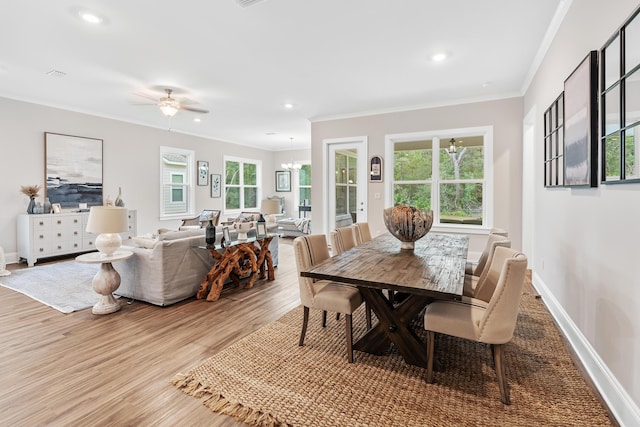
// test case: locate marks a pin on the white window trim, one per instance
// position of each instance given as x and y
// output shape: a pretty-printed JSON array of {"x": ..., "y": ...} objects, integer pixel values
[
  {"x": 189, "y": 182},
  {"x": 296, "y": 184},
  {"x": 435, "y": 135},
  {"x": 242, "y": 160}
]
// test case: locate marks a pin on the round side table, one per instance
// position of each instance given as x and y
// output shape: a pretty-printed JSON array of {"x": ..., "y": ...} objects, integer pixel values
[{"x": 106, "y": 280}]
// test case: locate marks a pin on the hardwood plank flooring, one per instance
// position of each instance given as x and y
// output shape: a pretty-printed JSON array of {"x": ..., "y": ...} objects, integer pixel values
[
  {"x": 114, "y": 370},
  {"x": 83, "y": 369}
]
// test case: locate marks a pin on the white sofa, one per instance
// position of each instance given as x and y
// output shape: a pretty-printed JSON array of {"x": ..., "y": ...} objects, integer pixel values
[{"x": 169, "y": 268}]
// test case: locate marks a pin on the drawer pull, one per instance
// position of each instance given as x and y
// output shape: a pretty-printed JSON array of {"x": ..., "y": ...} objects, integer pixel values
[
  {"x": 59, "y": 234},
  {"x": 59, "y": 222},
  {"x": 75, "y": 233},
  {"x": 41, "y": 223},
  {"x": 75, "y": 245},
  {"x": 75, "y": 220},
  {"x": 59, "y": 247},
  {"x": 41, "y": 236},
  {"x": 41, "y": 249}
]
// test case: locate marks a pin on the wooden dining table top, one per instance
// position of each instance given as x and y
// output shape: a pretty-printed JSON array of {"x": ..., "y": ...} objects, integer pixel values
[{"x": 434, "y": 268}]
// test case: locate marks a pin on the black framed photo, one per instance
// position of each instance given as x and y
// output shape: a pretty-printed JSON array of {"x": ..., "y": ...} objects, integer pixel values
[
  {"x": 261, "y": 229},
  {"x": 203, "y": 172},
  {"x": 581, "y": 124},
  {"x": 283, "y": 181}
]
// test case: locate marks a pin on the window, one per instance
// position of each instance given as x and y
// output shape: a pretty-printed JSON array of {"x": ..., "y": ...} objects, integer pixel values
[
  {"x": 304, "y": 184},
  {"x": 448, "y": 172},
  {"x": 346, "y": 182},
  {"x": 554, "y": 144},
  {"x": 177, "y": 189},
  {"x": 619, "y": 100},
  {"x": 242, "y": 190}
]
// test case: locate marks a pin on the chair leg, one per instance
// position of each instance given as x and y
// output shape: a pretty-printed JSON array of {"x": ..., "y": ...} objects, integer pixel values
[
  {"x": 368, "y": 312},
  {"x": 498, "y": 349},
  {"x": 305, "y": 321},
  {"x": 337, "y": 316},
  {"x": 349, "y": 333},
  {"x": 324, "y": 318},
  {"x": 431, "y": 338}
]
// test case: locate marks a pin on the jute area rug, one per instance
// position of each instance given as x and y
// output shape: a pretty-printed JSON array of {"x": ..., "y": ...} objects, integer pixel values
[
  {"x": 266, "y": 379},
  {"x": 65, "y": 286}
]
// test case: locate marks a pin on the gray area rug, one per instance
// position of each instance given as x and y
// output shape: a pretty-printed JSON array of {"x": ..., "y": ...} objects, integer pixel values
[{"x": 65, "y": 286}]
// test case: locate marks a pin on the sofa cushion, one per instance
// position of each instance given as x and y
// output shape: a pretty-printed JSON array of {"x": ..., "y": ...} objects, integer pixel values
[
  {"x": 173, "y": 235},
  {"x": 145, "y": 241}
]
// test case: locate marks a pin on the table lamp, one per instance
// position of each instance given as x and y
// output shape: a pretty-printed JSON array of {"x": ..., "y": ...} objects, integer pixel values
[
  {"x": 107, "y": 222},
  {"x": 270, "y": 207}
]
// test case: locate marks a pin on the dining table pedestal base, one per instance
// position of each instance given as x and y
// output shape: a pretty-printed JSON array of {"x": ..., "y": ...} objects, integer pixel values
[{"x": 394, "y": 326}]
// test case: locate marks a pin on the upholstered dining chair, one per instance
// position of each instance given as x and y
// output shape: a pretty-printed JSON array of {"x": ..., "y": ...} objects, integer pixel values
[
  {"x": 323, "y": 295},
  {"x": 492, "y": 323},
  {"x": 342, "y": 240},
  {"x": 476, "y": 273},
  {"x": 361, "y": 232}
]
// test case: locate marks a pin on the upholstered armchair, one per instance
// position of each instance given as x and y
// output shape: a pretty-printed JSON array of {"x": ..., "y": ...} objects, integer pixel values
[
  {"x": 201, "y": 220},
  {"x": 492, "y": 323},
  {"x": 361, "y": 232},
  {"x": 323, "y": 295},
  {"x": 476, "y": 273}
]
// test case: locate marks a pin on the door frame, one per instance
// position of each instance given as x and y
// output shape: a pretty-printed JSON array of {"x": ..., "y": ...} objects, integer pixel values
[{"x": 360, "y": 143}]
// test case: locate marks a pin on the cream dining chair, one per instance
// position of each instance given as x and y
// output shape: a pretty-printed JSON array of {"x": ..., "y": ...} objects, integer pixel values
[
  {"x": 476, "y": 273},
  {"x": 323, "y": 295},
  {"x": 492, "y": 323},
  {"x": 342, "y": 239},
  {"x": 361, "y": 232}
]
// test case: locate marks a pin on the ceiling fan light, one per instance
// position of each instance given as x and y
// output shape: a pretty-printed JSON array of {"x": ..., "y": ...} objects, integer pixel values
[{"x": 168, "y": 110}]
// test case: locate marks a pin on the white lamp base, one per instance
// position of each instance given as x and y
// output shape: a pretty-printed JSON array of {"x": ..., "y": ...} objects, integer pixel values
[{"x": 108, "y": 243}]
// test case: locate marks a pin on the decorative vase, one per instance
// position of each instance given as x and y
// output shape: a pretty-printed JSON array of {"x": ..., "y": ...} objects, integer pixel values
[
  {"x": 210, "y": 234},
  {"x": 119, "y": 202},
  {"x": 407, "y": 224},
  {"x": 32, "y": 205},
  {"x": 243, "y": 228},
  {"x": 47, "y": 206}
]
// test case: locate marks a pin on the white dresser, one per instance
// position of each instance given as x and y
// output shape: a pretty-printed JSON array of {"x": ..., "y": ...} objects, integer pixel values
[{"x": 48, "y": 235}]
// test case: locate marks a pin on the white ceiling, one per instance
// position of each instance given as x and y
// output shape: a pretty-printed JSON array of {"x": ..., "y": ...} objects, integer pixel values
[{"x": 330, "y": 58}]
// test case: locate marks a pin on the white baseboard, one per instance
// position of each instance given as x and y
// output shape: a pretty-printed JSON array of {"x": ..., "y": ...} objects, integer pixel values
[
  {"x": 615, "y": 396},
  {"x": 11, "y": 257}
]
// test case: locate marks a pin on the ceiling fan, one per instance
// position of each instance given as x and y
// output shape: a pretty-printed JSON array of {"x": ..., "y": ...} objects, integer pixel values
[{"x": 170, "y": 106}]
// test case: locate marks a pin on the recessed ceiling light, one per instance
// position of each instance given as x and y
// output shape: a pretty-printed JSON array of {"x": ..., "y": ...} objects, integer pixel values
[
  {"x": 439, "y": 57},
  {"x": 486, "y": 84},
  {"x": 197, "y": 120},
  {"x": 288, "y": 106},
  {"x": 90, "y": 17},
  {"x": 270, "y": 133}
]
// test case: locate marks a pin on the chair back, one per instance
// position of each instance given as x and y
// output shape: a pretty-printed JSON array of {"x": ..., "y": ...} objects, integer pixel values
[
  {"x": 342, "y": 240},
  {"x": 361, "y": 232},
  {"x": 493, "y": 241},
  {"x": 508, "y": 271},
  {"x": 309, "y": 250}
]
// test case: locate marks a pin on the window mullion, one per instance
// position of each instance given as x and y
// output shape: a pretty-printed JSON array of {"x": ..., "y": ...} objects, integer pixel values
[{"x": 435, "y": 180}]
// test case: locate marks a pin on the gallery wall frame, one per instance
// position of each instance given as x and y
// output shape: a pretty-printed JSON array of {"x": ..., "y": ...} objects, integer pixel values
[
  {"x": 216, "y": 185},
  {"x": 283, "y": 181},
  {"x": 203, "y": 172},
  {"x": 73, "y": 170},
  {"x": 375, "y": 169},
  {"x": 581, "y": 124},
  {"x": 554, "y": 143},
  {"x": 620, "y": 104}
]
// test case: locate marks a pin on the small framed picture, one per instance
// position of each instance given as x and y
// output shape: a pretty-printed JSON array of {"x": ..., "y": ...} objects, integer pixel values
[
  {"x": 216, "y": 185},
  {"x": 375, "y": 169},
  {"x": 261, "y": 229},
  {"x": 203, "y": 172},
  {"x": 56, "y": 208},
  {"x": 226, "y": 236},
  {"x": 283, "y": 181}
]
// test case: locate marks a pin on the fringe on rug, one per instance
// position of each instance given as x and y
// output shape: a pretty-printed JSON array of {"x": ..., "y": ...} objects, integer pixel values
[{"x": 218, "y": 403}]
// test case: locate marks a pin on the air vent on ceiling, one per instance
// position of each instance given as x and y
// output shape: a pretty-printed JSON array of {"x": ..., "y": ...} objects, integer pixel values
[
  {"x": 246, "y": 3},
  {"x": 56, "y": 73}
]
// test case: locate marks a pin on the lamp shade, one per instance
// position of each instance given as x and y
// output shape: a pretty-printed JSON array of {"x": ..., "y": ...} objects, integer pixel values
[
  {"x": 107, "y": 219},
  {"x": 270, "y": 206}
]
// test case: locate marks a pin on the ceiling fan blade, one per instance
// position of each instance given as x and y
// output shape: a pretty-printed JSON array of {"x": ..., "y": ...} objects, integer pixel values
[
  {"x": 194, "y": 110},
  {"x": 149, "y": 97}
]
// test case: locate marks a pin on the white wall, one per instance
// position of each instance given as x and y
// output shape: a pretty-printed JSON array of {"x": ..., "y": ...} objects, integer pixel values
[
  {"x": 130, "y": 160},
  {"x": 586, "y": 240},
  {"x": 504, "y": 115},
  {"x": 290, "y": 197}
]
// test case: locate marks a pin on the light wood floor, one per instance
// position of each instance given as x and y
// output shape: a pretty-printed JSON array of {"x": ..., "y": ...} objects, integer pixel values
[{"x": 86, "y": 370}]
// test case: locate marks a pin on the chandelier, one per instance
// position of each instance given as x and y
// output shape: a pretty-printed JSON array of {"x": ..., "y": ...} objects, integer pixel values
[
  {"x": 291, "y": 166},
  {"x": 453, "y": 148}
]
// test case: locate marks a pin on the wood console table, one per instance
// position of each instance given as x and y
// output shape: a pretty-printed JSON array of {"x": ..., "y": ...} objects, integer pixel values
[{"x": 251, "y": 258}]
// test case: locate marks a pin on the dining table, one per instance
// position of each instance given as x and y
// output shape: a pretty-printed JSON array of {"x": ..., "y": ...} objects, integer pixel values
[{"x": 434, "y": 269}]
